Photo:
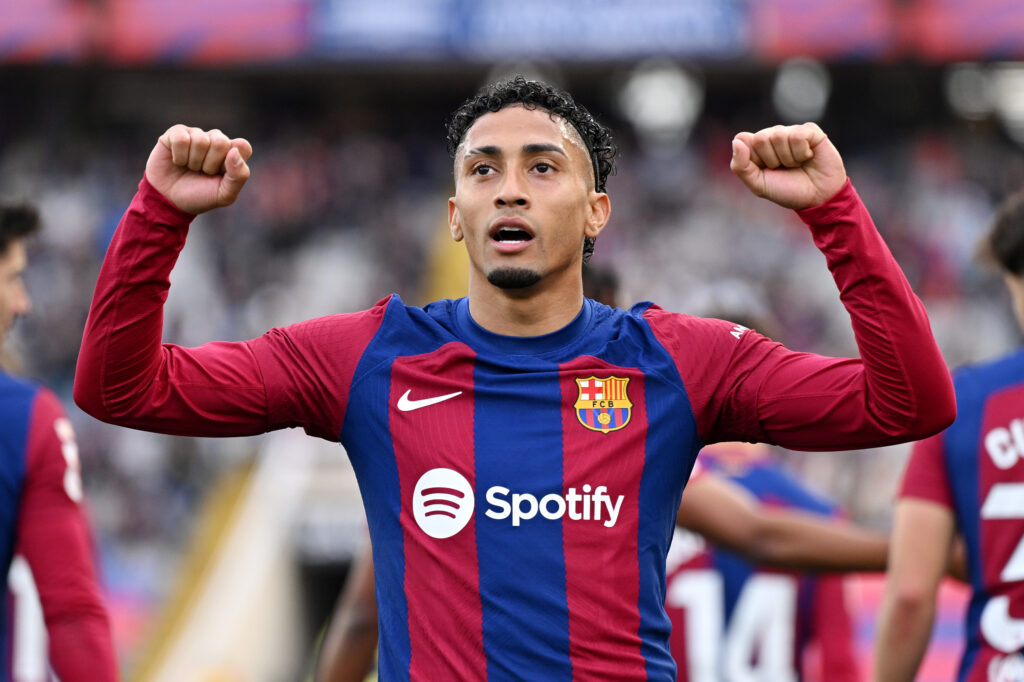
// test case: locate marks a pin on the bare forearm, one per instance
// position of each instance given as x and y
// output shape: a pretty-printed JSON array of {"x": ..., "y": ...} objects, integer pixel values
[
  {"x": 904, "y": 628},
  {"x": 812, "y": 543},
  {"x": 347, "y": 653}
]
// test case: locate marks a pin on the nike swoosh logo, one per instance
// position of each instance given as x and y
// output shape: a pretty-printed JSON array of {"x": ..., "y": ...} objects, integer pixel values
[{"x": 405, "y": 404}]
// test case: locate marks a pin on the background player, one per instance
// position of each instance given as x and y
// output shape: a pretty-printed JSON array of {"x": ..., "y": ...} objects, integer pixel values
[
  {"x": 734, "y": 618},
  {"x": 41, "y": 518},
  {"x": 520, "y": 370},
  {"x": 969, "y": 480}
]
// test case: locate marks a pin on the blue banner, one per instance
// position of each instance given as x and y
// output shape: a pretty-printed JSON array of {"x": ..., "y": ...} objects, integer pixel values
[{"x": 490, "y": 30}]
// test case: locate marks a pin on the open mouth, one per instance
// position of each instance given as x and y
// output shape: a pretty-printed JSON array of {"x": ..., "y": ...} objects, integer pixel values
[
  {"x": 510, "y": 231},
  {"x": 511, "y": 235}
]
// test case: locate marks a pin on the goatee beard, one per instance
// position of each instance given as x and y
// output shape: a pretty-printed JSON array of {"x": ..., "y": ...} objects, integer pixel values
[{"x": 513, "y": 278}]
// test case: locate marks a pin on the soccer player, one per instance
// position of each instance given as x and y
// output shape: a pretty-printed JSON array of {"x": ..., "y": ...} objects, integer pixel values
[
  {"x": 968, "y": 480},
  {"x": 521, "y": 452},
  {"x": 736, "y": 618},
  {"x": 41, "y": 518},
  {"x": 776, "y": 522}
]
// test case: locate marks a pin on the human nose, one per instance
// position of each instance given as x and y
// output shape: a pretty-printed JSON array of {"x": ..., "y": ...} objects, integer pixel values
[{"x": 512, "y": 191}]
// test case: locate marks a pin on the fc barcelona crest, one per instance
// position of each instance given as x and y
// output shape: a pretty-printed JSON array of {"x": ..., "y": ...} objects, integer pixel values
[{"x": 603, "y": 404}]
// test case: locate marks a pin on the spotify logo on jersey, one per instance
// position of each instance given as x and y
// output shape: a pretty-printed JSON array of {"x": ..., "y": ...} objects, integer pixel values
[{"x": 442, "y": 503}]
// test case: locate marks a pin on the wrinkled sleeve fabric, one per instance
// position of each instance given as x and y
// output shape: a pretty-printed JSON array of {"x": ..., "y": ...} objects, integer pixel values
[
  {"x": 743, "y": 386},
  {"x": 292, "y": 376},
  {"x": 54, "y": 538}
]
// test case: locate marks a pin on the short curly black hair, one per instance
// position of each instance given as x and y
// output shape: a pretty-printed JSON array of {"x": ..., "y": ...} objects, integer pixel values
[
  {"x": 538, "y": 95},
  {"x": 17, "y": 221}
]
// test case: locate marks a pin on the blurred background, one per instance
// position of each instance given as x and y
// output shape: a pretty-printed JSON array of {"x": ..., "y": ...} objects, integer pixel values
[{"x": 221, "y": 559}]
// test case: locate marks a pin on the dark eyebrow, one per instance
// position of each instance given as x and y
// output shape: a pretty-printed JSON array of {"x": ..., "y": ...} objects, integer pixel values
[
  {"x": 486, "y": 150},
  {"x": 531, "y": 148},
  {"x": 539, "y": 148}
]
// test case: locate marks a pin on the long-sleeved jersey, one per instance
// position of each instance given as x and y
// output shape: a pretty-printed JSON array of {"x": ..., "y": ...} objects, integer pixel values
[
  {"x": 732, "y": 620},
  {"x": 976, "y": 469},
  {"x": 41, "y": 519},
  {"x": 520, "y": 492}
]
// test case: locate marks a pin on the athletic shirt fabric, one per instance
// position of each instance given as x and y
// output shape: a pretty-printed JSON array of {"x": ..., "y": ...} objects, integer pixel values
[
  {"x": 520, "y": 492},
  {"x": 732, "y": 620},
  {"x": 975, "y": 469},
  {"x": 41, "y": 520}
]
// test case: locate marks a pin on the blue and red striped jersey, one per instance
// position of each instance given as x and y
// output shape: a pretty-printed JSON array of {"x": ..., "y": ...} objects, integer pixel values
[
  {"x": 976, "y": 468},
  {"x": 41, "y": 519},
  {"x": 520, "y": 491},
  {"x": 733, "y": 620},
  {"x": 514, "y": 501}
]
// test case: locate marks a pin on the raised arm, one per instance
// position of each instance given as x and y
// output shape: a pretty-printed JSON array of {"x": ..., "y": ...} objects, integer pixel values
[
  {"x": 124, "y": 374},
  {"x": 753, "y": 389},
  {"x": 902, "y": 387}
]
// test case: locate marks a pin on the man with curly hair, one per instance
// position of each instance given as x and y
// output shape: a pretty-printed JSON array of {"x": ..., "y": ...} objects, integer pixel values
[
  {"x": 45, "y": 540},
  {"x": 521, "y": 452}
]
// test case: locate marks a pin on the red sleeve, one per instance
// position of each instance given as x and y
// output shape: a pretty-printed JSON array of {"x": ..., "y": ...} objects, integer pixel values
[
  {"x": 743, "y": 386},
  {"x": 308, "y": 368},
  {"x": 54, "y": 538},
  {"x": 925, "y": 477},
  {"x": 833, "y": 631},
  {"x": 295, "y": 376}
]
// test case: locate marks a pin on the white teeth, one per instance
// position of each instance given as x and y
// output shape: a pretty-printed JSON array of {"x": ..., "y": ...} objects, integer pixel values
[{"x": 511, "y": 235}]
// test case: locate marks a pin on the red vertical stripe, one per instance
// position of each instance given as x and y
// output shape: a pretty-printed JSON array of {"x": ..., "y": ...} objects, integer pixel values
[
  {"x": 442, "y": 581},
  {"x": 601, "y": 563},
  {"x": 1000, "y": 534}
]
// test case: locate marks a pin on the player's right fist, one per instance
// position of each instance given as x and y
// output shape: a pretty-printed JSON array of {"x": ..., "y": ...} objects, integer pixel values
[{"x": 198, "y": 170}]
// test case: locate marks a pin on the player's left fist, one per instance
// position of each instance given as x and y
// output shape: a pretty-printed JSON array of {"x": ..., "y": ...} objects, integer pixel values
[{"x": 794, "y": 166}]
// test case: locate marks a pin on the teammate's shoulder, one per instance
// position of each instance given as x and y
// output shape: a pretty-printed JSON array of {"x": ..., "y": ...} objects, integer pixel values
[
  {"x": 25, "y": 401},
  {"x": 1003, "y": 370},
  {"x": 13, "y": 386},
  {"x": 781, "y": 483}
]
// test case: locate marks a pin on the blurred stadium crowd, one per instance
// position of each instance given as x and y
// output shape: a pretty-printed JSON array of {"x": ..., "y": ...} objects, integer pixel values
[{"x": 347, "y": 203}]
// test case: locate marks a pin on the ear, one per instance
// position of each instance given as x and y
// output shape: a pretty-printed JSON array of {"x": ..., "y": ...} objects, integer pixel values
[
  {"x": 600, "y": 212},
  {"x": 454, "y": 220}
]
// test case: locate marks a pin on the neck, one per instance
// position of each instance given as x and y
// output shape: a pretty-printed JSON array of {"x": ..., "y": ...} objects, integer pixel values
[{"x": 540, "y": 309}]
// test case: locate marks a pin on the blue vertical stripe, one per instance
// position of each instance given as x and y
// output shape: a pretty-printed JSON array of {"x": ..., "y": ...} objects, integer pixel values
[
  {"x": 366, "y": 430},
  {"x": 518, "y": 436},
  {"x": 16, "y": 402},
  {"x": 961, "y": 447}
]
